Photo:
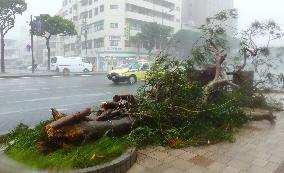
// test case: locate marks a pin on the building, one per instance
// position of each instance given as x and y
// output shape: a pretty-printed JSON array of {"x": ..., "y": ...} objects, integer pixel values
[
  {"x": 105, "y": 27},
  {"x": 195, "y": 12},
  {"x": 12, "y": 53}
]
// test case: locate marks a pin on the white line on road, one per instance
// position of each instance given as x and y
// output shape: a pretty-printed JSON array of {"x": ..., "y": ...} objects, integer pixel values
[
  {"x": 57, "y": 76},
  {"x": 43, "y": 108},
  {"x": 26, "y": 77},
  {"x": 23, "y": 90},
  {"x": 63, "y": 97},
  {"x": 2, "y": 78},
  {"x": 86, "y": 75}
]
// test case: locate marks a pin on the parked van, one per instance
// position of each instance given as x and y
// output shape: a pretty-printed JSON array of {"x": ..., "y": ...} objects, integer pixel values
[{"x": 70, "y": 64}]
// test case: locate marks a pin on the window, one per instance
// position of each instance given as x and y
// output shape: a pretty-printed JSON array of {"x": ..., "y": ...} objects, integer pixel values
[
  {"x": 90, "y": 14},
  {"x": 98, "y": 42},
  {"x": 114, "y": 43},
  {"x": 96, "y": 11},
  {"x": 102, "y": 8},
  {"x": 98, "y": 26},
  {"x": 75, "y": 7},
  {"x": 75, "y": 18},
  {"x": 113, "y": 25},
  {"x": 145, "y": 67},
  {"x": 113, "y": 7},
  {"x": 84, "y": 2},
  {"x": 114, "y": 37},
  {"x": 84, "y": 15}
]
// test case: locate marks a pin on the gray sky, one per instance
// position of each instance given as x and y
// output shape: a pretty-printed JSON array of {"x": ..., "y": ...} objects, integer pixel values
[{"x": 249, "y": 11}]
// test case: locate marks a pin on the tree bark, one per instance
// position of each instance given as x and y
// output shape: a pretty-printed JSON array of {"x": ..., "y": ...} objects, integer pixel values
[
  {"x": 260, "y": 115},
  {"x": 2, "y": 52},
  {"x": 84, "y": 130}
]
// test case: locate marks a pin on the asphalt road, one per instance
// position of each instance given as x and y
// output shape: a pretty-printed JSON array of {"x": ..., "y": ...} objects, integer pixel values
[{"x": 28, "y": 100}]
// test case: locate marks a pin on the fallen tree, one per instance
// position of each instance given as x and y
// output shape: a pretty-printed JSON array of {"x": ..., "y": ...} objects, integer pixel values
[{"x": 81, "y": 126}]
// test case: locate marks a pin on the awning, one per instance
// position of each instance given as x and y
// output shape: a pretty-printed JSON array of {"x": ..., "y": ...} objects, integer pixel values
[{"x": 121, "y": 54}]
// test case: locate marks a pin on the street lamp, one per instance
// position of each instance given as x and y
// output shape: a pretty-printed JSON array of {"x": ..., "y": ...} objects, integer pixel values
[
  {"x": 32, "y": 44},
  {"x": 85, "y": 29},
  {"x": 63, "y": 36}
]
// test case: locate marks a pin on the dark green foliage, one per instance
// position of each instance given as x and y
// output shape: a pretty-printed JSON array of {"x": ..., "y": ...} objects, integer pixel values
[
  {"x": 173, "y": 108},
  {"x": 24, "y": 149}
]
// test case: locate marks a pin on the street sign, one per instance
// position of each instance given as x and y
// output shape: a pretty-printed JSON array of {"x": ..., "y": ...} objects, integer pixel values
[{"x": 127, "y": 32}]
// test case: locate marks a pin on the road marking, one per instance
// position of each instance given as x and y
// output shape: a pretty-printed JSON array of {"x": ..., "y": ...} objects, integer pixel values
[
  {"x": 45, "y": 88},
  {"x": 76, "y": 86},
  {"x": 26, "y": 77},
  {"x": 60, "y": 87},
  {"x": 43, "y": 108},
  {"x": 22, "y": 90},
  {"x": 86, "y": 75},
  {"x": 40, "y": 99},
  {"x": 63, "y": 97},
  {"x": 16, "y": 79},
  {"x": 56, "y": 76},
  {"x": 2, "y": 78}
]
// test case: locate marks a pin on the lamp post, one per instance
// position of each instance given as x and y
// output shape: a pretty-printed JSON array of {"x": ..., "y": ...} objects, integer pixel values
[
  {"x": 63, "y": 36},
  {"x": 85, "y": 31},
  {"x": 32, "y": 44}
]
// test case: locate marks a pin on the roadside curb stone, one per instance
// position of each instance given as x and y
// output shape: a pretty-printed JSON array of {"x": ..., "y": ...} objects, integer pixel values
[{"x": 120, "y": 165}]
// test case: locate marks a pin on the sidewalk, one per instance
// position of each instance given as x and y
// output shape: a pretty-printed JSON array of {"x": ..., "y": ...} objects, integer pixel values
[
  {"x": 259, "y": 148},
  {"x": 43, "y": 74}
]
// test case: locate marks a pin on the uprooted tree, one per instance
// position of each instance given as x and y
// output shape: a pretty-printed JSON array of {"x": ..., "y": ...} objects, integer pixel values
[
  {"x": 254, "y": 50},
  {"x": 173, "y": 107},
  {"x": 82, "y": 126}
]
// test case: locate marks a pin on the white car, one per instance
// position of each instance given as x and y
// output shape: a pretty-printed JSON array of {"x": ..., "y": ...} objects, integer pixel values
[{"x": 70, "y": 64}]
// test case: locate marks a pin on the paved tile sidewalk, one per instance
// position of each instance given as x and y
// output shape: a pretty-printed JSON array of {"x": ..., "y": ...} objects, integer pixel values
[{"x": 259, "y": 149}]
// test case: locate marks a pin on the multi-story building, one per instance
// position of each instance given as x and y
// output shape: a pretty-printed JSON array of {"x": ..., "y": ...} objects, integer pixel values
[
  {"x": 12, "y": 54},
  {"x": 195, "y": 12},
  {"x": 105, "y": 27}
]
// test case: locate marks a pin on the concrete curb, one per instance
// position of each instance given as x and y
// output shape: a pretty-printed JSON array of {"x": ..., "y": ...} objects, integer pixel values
[
  {"x": 48, "y": 75},
  {"x": 120, "y": 165}
]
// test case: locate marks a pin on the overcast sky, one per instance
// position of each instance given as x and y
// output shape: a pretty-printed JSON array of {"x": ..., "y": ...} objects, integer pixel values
[{"x": 249, "y": 10}]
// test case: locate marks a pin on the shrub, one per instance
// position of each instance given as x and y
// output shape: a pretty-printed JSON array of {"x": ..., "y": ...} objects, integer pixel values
[{"x": 172, "y": 107}]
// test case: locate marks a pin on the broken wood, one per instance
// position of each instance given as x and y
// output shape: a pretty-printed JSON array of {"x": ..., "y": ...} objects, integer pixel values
[
  {"x": 260, "y": 115},
  {"x": 70, "y": 119},
  {"x": 56, "y": 114},
  {"x": 79, "y": 127}
]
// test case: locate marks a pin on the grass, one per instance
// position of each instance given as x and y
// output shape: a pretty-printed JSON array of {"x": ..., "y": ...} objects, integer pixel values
[{"x": 24, "y": 151}]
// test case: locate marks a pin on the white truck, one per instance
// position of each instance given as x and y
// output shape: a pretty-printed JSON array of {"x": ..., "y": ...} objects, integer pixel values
[{"x": 70, "y": 64}]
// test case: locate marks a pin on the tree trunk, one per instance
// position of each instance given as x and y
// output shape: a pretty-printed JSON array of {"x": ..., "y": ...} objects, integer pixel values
[
  {"x": 48, "y": 53},
  {"x": 81, "y": 131},
  {"x": 2, "y": 52}
]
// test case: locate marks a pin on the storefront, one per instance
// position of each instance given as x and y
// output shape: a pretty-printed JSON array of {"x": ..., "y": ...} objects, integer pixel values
[{"x": 107, "y": 60}]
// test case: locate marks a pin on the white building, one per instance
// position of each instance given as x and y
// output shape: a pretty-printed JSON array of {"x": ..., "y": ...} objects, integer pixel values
[{"x": 110, "y": 25}]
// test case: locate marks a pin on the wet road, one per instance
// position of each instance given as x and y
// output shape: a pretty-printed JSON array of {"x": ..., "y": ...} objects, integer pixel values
[{"x": 28, "y": 100}]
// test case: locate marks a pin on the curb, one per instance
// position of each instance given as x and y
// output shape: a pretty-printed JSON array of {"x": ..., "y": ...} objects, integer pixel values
[
  {"x": 49, "y": 75},
  {"x": 120, "y": 165}
]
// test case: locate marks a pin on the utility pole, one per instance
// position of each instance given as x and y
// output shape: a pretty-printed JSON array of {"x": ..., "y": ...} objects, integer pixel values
[
  {"x": 86, "y": 36},
  {"x": 32, "y": 44}
]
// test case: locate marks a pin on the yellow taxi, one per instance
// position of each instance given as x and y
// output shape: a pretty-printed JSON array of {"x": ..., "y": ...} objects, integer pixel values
[{"x": 131, "y": 73}]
